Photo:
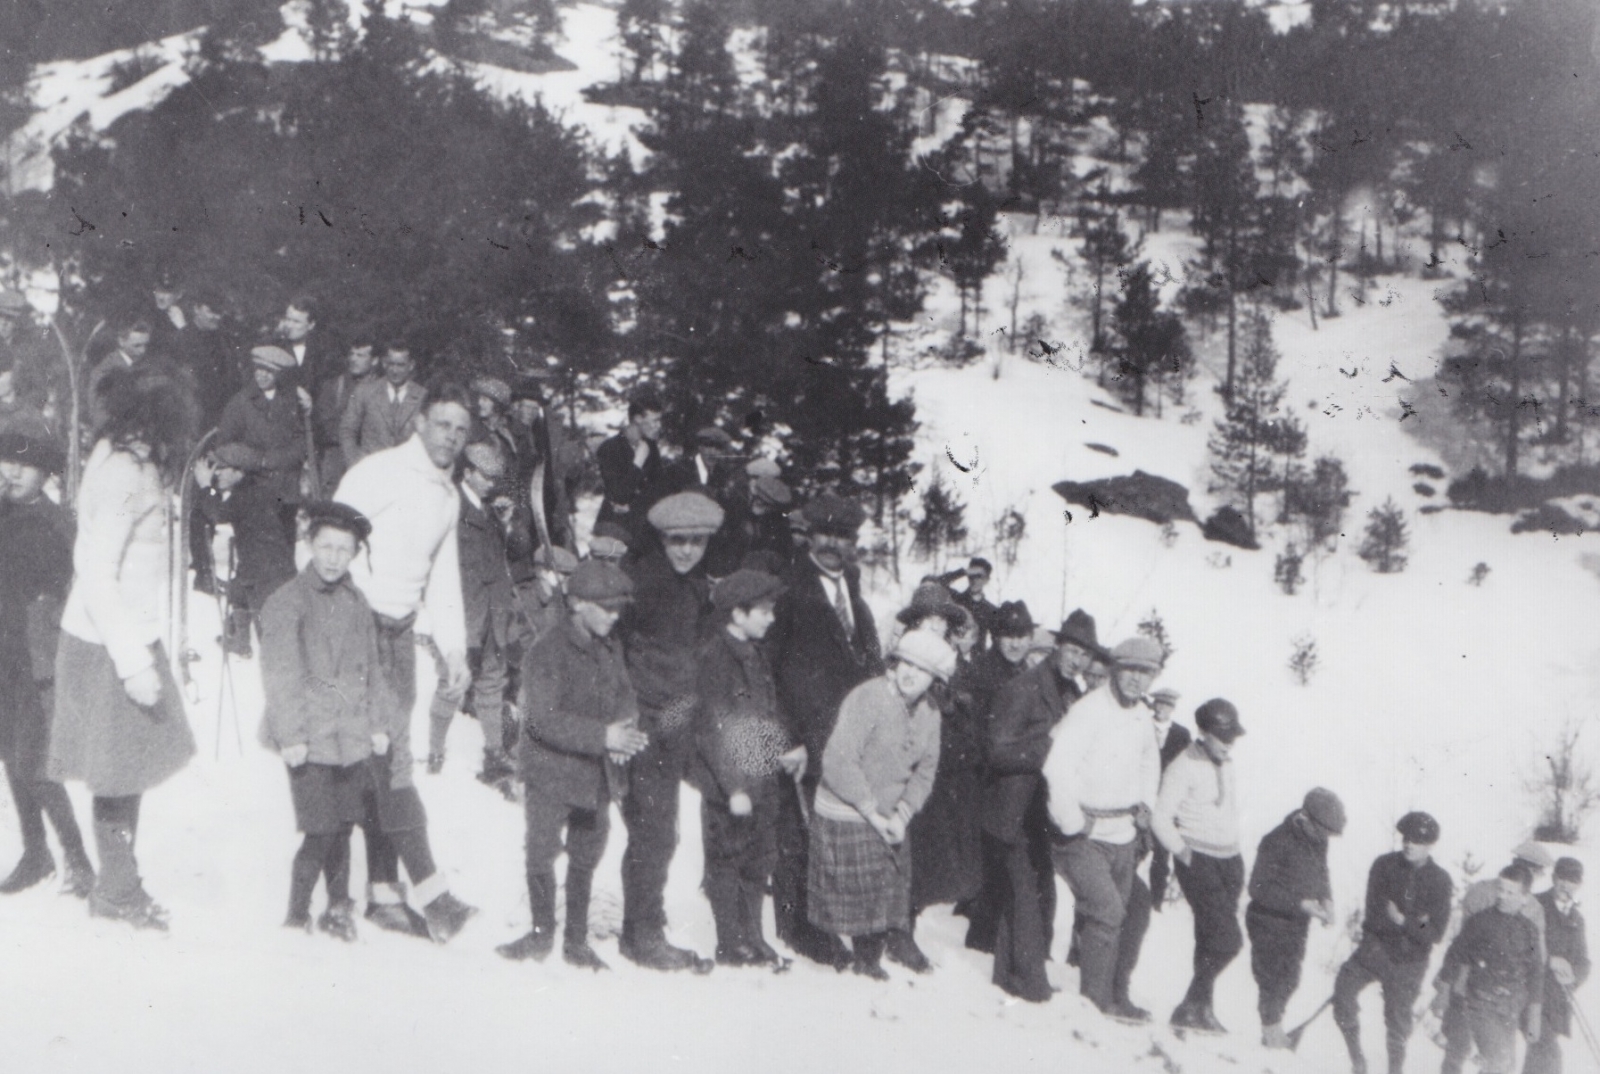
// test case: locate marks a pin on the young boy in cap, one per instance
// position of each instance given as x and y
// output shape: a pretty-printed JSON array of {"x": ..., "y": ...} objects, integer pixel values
[
  {"x": 1196, "y": 818},
  {"x": 1172, "y": 738},
  {"x": 233, "y": 494},
  {"x": 1485, "y": 894},
  {"x": 324, "y": 715},
  {"x": 1567, "y": 939},
  {"x": 660, "y": 635},
  {"x": 1407, "y": 912},
  {"x": 1103, "y": 772},
  {"x": 1289, "y": 886},
  {"x": 580, "y": 725},
  {"x": 35, "y": 573},
  {"x": 493, "y": 626},
  {"x": 1493, "y": 972},
  {"x": 742, "y": 751}
]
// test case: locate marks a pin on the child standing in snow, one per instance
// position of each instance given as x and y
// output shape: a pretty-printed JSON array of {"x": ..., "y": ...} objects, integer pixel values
[
  {"x": 877, "y": 771},
  {"x": 742, "y": 747},
  {"x": 319, "y": 652}
]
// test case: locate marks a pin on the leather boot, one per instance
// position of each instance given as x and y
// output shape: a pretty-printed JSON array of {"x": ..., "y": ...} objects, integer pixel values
[
  {"x": 1097, "y": 958},
  {"x": 902, "y": 949},
  {"x": 118, "y": 894},
  {"x": 79, "y": 878},
  {"x": 36, "y": 864},
  {"x": 867, "y": 956}
]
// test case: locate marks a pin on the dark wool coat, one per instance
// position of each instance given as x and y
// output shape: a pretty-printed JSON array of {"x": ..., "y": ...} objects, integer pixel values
[
  {"x": 947, "y": 835},
  {"x": 1025, "y": 710},
  {"x": 274, "y": 428},
  {"x": 486, "y": 592},
  {"x": 738, "y": 734},
  {"x": 1422, "y": 893},
  {"x": 990, "y": 671},
  {"x": 573, "y": 685},
  {"x": 661, "y": 631},
  {"x": 263, "y": 553},
  {"x": 628, "y": 488},
  {"x": 815, "y": 663},
  {"x": 1566, "y": 936},
  {"x": 212, "y": 359},
  {"x": 1500, "y": 953},
  {"x": 319, "y": 670},
  {"x": 35, "y": 571},
  {"x": 1290, "y": 867}
]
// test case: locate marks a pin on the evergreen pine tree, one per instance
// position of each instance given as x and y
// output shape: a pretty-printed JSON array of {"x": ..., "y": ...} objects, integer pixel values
[
  {"x": 1384, "y": 544},
  {"x": 1241, "y": 445},
  {"x": 942, "y": 526},
  {"x": 1151, "y": 342},
  {"x": 1105, "y": 249}
]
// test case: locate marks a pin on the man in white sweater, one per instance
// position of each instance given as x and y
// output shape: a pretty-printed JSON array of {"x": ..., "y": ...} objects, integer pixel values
[
  {"x": 1103, "y": 772},
  {"x": 411, "y": 576},
  {"x": 1197, "y": 819}
]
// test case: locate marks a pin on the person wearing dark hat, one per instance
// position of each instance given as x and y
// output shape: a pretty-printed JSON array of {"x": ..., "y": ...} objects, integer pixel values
[
  {"x": 493, "y": 627},
  {"x": 609, "y": 541},
  {"x": 1016, "y": 824},
  {"x": 580, "y": 730},
  {"x": 548, "y": 460},
  {"x": 266, "y": 418},
  {"x": 1289, "y": 886},
  {"x": 542, "y": 598},
  {"x": 35, "y": 572},
  {"x": 1567, "y": 942},
  {"x": 1492, "y": 979},
  {"x": 742, "y": 753},
  {"x": 411, "y": 576},
  {"x": 208, "y": 349},
  {"x": 660, "y": 634},
  {"x": 1407, "y": 912},
  {"x": 1102, "y": 775},
  {"x": 325, "y": 714},
  {"x": 260, "y": 556},
  {"x": 878, "y": 769},
  {"x": 631, "y": 469},
  {"x": 1196, "y": 818},
  {"x": 823, "y": 644},
  {"x": 333, "y": 399},
  {"x": 119, "y": 722},
  {"x": 381, "y": 412},
  {"x": 17, "y": 413}
]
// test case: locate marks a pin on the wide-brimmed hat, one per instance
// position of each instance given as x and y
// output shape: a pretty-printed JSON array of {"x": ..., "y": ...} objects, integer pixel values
[{"x": 1079, "y": 629}]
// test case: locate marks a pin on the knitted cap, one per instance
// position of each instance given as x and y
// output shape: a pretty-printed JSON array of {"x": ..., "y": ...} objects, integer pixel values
[
  {"x": 494, "y": 388},
  {"x": 743, "y": 588},
  {"x": 686, "y": 512},
  {"x": 486, "y": 457},
  {"x": 928, "y": 651},
  {"x": 1325, "y": 808},
  {"x": 601, "y": 583}
]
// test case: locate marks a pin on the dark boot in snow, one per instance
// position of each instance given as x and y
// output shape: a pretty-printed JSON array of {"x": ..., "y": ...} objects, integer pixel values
[
  {"x": 299, "y": 921},
  {"x": 824, "y": 947},
  {"x": 581, "y": 955},
  {"x": 435, "y": 763},
  {"x": 138, "y": 910},
  {"x": 1194, "y": 1016},
  {"x": 655, "y": 953},
  {"x": 902, "y": 949},
  {"x": 34, "y": 865},
  {"x": 79, "y": 878},
  {"x": 867, "y": 956},
  {"x": 446, "y": 916},
  {"x": 536, "y": 945},
  {"x": 392, "y": 914},
  {"x": 118, "y": 894},
  {"x": 339, "y": 921}
]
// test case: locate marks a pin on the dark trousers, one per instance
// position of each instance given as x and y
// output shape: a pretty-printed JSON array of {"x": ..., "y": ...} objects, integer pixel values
[
  {"x": 585, "y": 844},
  {"x": 1101, "y": 877},
  {"x": 650, "y": 813},
  {"x": 490, "y": 676},
  {"x": 36, "y": 799},
  {"x": 1022, "y": 886},
  {"x": 1494, "y": 1031},
  {"x": 1544, "y": 1054},
  {"x": 1135, "y": 923},
  {"x": 116, "y": 828},
  {"x": 1277, "y": 951},
  {"x": 740, "y": 853},
  {"x": 1212, "y": 887},
  {"x": 1400, "y": 981},
  {"x": 328, "y": 855}
]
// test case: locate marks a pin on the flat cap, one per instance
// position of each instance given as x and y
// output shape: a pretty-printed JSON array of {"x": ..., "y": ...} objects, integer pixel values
[
  {"x": 340, "y": 516},
  {"x": 486, "y": 457},
  {"x": 1165, "y": 696},
  {"x": 1570, "y": 870},
  {"x": 1419, "y": 828},
  {"x": 745, "y": 587},
  {"x": 832, "y": 513},
  {"x": 555, "y": 558},
  {"x": 1534, "y": 854},
  {"x": 686, "y": 512},
  {"x": 713, "y": 437},
  {"x": 32, "y": 451},
  {"x": 269, "y": 357},
  {"x": 1325, "y": 808},
  {"x": 762, "y": 467},
  {"x": 494, "y": 388},
  {"x": 600, "y": 582},
  {"x": 607, "y": 548},
  {"x": 237, "y": 456},
  {"x": 1043, "y": 640},
  {"x": 12, "y": 303},
  {"x": 1139, "y": 652},
  {"x": 770, "y": 491},
  {"x": 1220, "y": 718}
]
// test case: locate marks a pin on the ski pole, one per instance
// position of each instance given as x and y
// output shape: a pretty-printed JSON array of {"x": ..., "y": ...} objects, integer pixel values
[{"x": 1583, "y": 1022}]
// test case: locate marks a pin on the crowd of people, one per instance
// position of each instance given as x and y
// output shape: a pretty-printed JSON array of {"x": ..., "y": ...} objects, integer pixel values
[{"x": 708, "y": 629}]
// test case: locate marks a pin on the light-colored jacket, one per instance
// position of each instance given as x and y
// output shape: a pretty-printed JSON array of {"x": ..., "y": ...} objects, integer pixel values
[
  {"x": 121, "y": 560},
  {"x": 372, "y": 423},
  {"x": 879, "y": 757},
  {"x": 1103, "y": 761},
  {"x": 412, "y": 565},
  {"x": 1198, "y": 807}
]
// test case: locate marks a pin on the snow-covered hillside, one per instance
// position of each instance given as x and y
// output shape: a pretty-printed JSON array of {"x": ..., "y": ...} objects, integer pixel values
[{"x": 1430, "y": 693}]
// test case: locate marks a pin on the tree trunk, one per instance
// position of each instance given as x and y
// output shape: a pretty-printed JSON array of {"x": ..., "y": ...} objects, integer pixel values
[
  {"x": 1337, "y": 227},
  {"x": 1095, "y": 341},
  {"x": 961, "y": 323},
  {"x": 1564, "y": 392},
  {"x": 1233, "y": 336},
  {"x": 1514, "y": 418}
]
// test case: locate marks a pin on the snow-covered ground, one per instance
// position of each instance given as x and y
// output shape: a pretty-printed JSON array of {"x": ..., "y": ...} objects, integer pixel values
[{"x": 1430, "y": 694}]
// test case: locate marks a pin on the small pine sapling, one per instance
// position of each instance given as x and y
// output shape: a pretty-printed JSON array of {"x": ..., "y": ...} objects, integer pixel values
[
  {"x": 1566, "y": 787},
  {"x": 1386, "y": 539},
  {"x": 1303, "y": 661},
  {"x": 1479, "y": 572},
  {"x": 1154, "y": 628},
  {"x": 1287, "y": 570},
  {"x": 943, "y": 522}
]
